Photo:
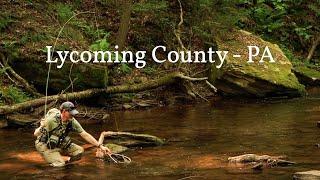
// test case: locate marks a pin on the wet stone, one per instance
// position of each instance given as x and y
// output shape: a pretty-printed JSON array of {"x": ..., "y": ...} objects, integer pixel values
[{"x": 307, "y": 175}]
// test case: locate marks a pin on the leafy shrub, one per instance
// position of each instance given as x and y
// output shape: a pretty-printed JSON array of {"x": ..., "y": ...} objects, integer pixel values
[
  {"x": 64, "y": 12},
  {"x": 150, "y": 6},
  {"x": 5, "y": 20},
  {"x": 12, "y": 94}
]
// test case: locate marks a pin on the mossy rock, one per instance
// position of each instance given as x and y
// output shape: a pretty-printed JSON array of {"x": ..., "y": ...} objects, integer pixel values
[
  {"x": 21, "y": 120},
  {"x": 35, "y": 72},
  {"x": 307, "y": 76},
  {"x": 115, "y": 148},
  {"x": 238, "y": 78}
]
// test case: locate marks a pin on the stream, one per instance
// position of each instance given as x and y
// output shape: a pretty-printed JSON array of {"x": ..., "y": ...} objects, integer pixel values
[{"x": 199, "y": 138}]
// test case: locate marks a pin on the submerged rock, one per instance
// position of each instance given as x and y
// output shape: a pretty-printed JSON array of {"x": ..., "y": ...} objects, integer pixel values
[
  {"x": 307, "y": 175},
  {"x": 237, "y": 77},
  {"x": 115, "y": 148}
]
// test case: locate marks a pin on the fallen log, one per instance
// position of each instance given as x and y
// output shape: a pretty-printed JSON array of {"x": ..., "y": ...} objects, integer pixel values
[
  {"x": 16, "y": 78},
  {"x": 130, "y": 139},
  {"x": 163, "y": 81},
  {"x": 120, "y": 145},
  {"x": 259, "y": 161},
  {"x": 246, "y": 158}
]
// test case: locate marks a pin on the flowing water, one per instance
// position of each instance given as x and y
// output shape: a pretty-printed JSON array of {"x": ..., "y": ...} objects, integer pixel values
[{"x": 199, "y": 138}]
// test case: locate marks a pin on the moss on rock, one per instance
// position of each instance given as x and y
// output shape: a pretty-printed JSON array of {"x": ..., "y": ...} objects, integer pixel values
[
  {"x": 307, "y": 76},
  {"x": 116, "y": 148},
  {"x": 237, "y": 77}
]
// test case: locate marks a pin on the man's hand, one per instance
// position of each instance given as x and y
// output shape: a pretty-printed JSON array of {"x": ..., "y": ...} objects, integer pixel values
[
  {"x": 42, "y": 123},
  {"x": 105, "y": 149},
  {"x": 40, "y": 129}
]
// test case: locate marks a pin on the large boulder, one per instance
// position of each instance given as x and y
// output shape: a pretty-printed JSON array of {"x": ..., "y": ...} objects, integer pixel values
[{"x": 239, "y": 78}]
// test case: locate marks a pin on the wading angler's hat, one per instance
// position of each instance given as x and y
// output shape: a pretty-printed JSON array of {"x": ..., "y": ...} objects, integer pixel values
[{"x": 69, "y": 106}]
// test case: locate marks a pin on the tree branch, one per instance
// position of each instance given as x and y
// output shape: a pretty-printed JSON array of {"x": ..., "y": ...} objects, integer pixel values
[
  {"x": 313, "y": 47},
  {"x": 163, "y": 81}
]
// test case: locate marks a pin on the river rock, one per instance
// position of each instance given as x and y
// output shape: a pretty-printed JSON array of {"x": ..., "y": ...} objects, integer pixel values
[
  {"x": 307, "y": 76},
  {"x": 115, "y": 148},
  {"x": 307, "y": 175},
  {"x": 20, "y": 120},
  {"x": 239, "y": 78}
]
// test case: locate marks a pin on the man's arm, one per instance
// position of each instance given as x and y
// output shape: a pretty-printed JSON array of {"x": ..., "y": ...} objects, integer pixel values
[
  {"x": 90, "y": 139},
  {"x": 37, "y": 132},
  {"x": 102, "y": 135}
]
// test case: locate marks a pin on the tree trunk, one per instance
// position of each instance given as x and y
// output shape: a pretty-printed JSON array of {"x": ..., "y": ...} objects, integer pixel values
[
  {"x": 124, "y": 23},
  {"x": 313, "y": 47},
  {"x": 132, "y": 140}
]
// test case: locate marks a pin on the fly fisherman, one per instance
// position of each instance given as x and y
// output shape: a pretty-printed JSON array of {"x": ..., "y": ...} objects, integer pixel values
[{"x": 52, "y": 136}]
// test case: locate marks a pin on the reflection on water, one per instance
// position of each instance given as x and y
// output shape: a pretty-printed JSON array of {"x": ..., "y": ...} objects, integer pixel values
[{"x": 200, "y": 139}]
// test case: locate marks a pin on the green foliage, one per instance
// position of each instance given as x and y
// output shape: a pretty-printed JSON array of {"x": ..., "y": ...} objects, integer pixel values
[
  {"x": 149, "y": 70},
  {"x": 62, "y": 47},
  {"x": 308, "y": 71},
  {"x": 12, "y": 47},
  {"x": 127, "y": 97},
  {"x": 303, "y": 32},
  {"x": 315, "y": 9},
  {"x": 5, "y": 21},
  {"x": 125, "y": 68},
  {"x": 290, "y": 23},
  {"x": 33, "y": 37},
  {"x": 89, "y": 30},
  {"x": 104, "y": 45},
  {"x": 64, "y": 12},
  {"x": 294, "y": 59},
  {"x": 2, "y": 71},
  {"x": 202, "y": 31},
  {"x": 205, "y": 3},
  {"x": 12, "y": 94},
  {"x": 100, "y": 45},
  {"x": 59, "y": 47},
  {"x": 77, "y": 3},
  {"x": 150, "y": 6},
  {"x": 268, "y": 19}
]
